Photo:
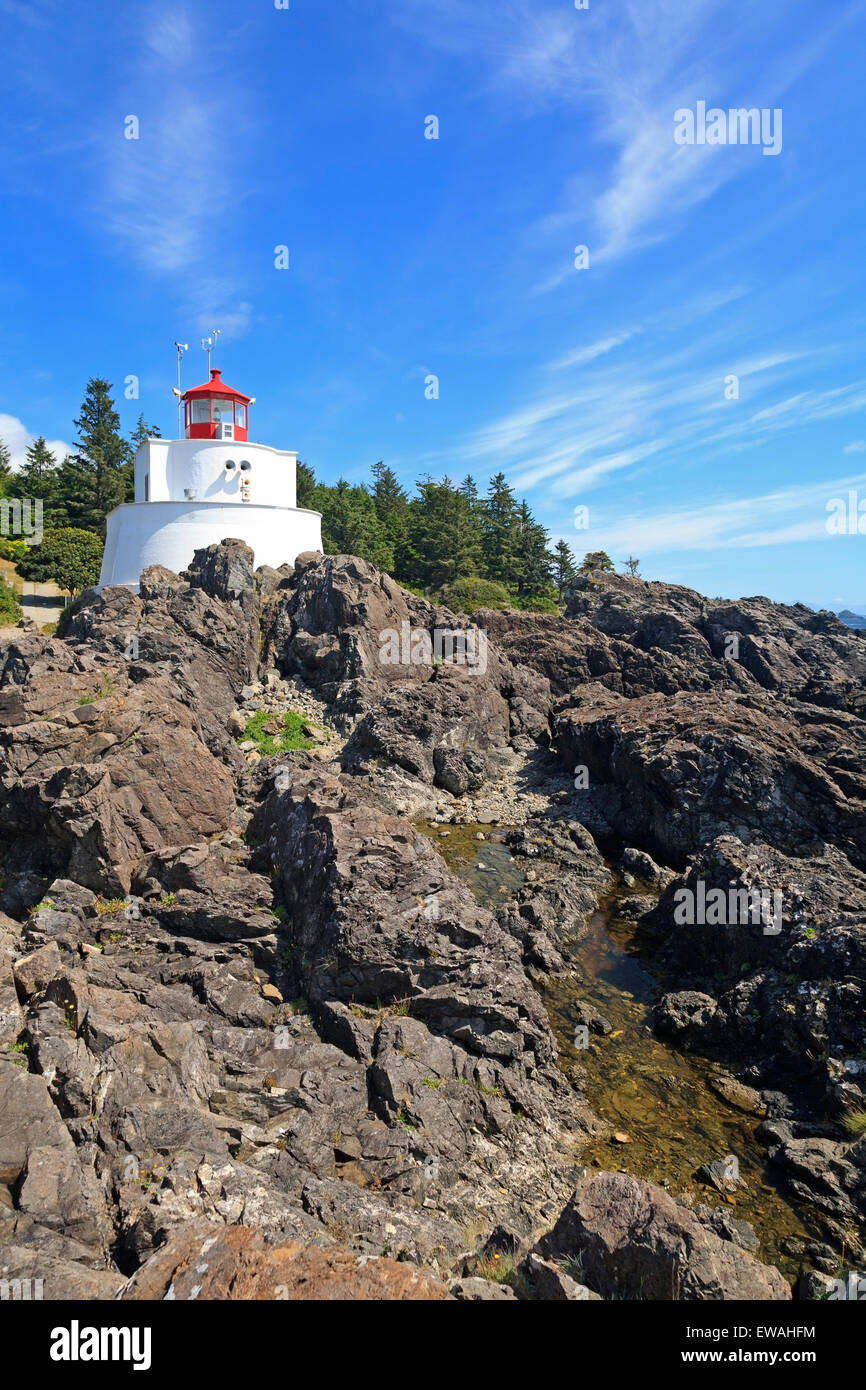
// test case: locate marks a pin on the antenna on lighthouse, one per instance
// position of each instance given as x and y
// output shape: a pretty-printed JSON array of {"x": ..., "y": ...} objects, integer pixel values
[
  {"x": 181, "y": 349},
  {"x": 209, "y": 343}
]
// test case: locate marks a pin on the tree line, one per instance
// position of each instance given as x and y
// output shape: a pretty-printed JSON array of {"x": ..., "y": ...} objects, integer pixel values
[{"x": 446, "y": 539}]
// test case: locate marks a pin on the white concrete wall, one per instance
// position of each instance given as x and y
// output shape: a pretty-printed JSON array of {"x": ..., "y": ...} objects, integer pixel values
[
  {"x": 176, "y": 464},
  {"x": 167, "y": 533}
]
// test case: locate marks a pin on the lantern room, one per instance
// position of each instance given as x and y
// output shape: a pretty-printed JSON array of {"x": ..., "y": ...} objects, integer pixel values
[{"x": 216, "y": 411}]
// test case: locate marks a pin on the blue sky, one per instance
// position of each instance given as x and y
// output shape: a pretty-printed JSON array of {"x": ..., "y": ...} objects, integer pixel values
[{"x": 602, "y": 388}]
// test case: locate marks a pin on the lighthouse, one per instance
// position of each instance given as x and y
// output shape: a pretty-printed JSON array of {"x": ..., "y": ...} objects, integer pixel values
[{"x": 211, "y": 485}]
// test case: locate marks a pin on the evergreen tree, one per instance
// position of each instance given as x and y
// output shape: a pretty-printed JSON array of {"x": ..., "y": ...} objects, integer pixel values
[
  {"x": 499, "y": 531},
  {"x": 392, "y": 509},
  {"x": 533, "y": 564},
  {"x": 40, "y": 465},
  {"x": 139, "y": 436},
  {"x": 142, "y": 433},
  {"x": 6, "y": 473},
  {"x": 429, "y": 526},
  {"x": 564, "y": 568},
  {"x": 595, "y": 560},
  {"x": 306, "y": 487},
  {"x": 350, "y": 525},
  {"x": 38, "y": 479},
  {"x": 96, "y": 479}
]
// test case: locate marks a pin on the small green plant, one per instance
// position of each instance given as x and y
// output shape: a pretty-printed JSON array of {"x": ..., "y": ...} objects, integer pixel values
[
  {"x": 489, "y": 1090},
  {"x": 810, "y": 933},
  {"x": 270, "y": 740},
  {"x": 109, "y": 907},
  {"x": 167, "y": 900},
  {"x": 402, "y": 1119},
  {"x": 279, "y": 913},
  {"x": 855, "y": 1123},
  {"x": 87, "y": 700},
  {"x": 498, "y": 1269},
  {"x": 400, "y": 1008},
  {"x": 20, "y": 1047},
  {"x": 434, "y": 1082}
]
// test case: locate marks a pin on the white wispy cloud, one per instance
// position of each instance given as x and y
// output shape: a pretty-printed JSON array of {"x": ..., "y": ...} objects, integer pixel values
[
  {"x": 169, "y": 36},
  {"x": 781, "y": 517},
  {"x": 171, "y": 197},
  {"x": 164, "y": 196},
  {"x": 579, "y": 357}
]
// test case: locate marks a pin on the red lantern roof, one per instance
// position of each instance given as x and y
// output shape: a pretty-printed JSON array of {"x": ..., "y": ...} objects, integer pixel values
[{"x": 216, "y": 387}]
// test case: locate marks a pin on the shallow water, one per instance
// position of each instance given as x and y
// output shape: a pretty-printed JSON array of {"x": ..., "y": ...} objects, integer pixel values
[
  {"x": 487, "y": 866},
  {"x": 641, "y": 1084}
]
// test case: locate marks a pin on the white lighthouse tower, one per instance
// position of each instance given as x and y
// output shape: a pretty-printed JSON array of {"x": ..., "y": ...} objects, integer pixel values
[{"x": 209, "y": 486}]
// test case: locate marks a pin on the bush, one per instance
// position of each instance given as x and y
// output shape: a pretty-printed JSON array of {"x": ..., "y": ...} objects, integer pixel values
[
  {"x": 13, "y": 549},
  {"x": 465, "y": 595},
  {"x": 538, "y": 605},
  {"x": 10, "y": 608},
  {"x": 67, "y": 555}
]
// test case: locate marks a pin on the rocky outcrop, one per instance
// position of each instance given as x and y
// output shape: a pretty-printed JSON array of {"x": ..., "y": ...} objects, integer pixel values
[
  {"x": 633, "y": 1240},
  {"x": 379, "y": 920},
  {"x": 671, "y": 775}
]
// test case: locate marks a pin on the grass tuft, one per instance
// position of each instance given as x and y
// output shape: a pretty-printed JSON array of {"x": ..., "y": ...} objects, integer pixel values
[{"x": 268, "y": 744}]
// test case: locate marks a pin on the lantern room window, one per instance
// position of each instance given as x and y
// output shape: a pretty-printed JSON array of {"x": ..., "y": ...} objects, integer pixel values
[
  {"x": 240, "y": 415},
  {"x": 223, "y": 411},
  {"x": 201, "y": 412}
]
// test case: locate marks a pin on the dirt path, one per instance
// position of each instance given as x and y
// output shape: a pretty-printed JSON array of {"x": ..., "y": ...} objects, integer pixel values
[{"x": 41, "y": 602}]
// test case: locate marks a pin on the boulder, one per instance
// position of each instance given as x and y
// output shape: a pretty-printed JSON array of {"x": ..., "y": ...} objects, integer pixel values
[{"x": 633, "y": 1238}]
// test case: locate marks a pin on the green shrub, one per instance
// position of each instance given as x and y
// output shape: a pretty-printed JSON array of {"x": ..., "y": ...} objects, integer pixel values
[
  {"x": 68, "y": 555},
  {"x": 10, "y": 608},
  {"x": 537, "y": 605},
  {"x": 13, "y": 549},
  {"x": 465, "y": 595}
]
